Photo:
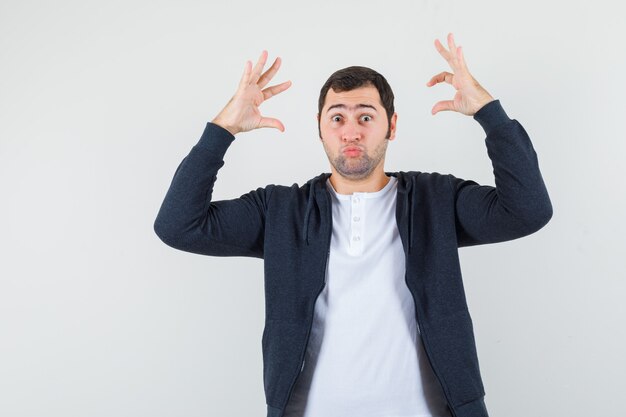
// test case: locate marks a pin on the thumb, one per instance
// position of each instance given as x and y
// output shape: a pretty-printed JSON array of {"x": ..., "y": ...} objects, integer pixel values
[
  {"x": 442, "y": 106},
  {"x": 271, "y": 122}
]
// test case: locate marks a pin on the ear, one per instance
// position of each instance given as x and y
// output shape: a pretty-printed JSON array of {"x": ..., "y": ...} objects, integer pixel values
[
  {"x": 392, "y": 128},
  {"x": 318, "y": 129}
]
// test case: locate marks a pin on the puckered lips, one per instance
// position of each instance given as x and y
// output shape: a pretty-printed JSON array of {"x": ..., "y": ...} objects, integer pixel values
[{"x": 352, "y": 150}]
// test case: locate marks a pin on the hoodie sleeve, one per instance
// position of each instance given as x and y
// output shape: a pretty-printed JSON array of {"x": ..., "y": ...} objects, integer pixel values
[
  {"x": 189, "y": 221},
  {"x": 519, "y": 204}
]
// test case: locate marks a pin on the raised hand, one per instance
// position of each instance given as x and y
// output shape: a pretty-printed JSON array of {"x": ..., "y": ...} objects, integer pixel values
[
  {"x": 242, "y": 114},
  {"x": 470, "y": 96}
]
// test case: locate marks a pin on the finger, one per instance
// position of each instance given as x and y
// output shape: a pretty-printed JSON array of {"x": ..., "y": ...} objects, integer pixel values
[
  {"x": 246, "y": 74},
  {"x": 442, "y": 50},
  {"x": 275, "y": 89},
  {"x": 256, "y": 72},
  {"x": 269, "y": 74},
  {"x": 454, "y": 53},
  {"x": 462, "y": 59},
  {"x": 442, "y": 106},
  {"x": 444, "y": 76},
  {"x": 271, "y": 122},
  {"x": 451, "y": 45}
]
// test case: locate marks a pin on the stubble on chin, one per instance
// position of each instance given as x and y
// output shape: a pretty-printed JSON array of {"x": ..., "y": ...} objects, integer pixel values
[{"x": 358, "y": 168}]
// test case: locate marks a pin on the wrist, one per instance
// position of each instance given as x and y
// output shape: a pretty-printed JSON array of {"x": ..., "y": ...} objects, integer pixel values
[
  {"x": 486, "y": 100},
  {"x": 224, "y": 125},
  {"x": 491, "y": 115}
]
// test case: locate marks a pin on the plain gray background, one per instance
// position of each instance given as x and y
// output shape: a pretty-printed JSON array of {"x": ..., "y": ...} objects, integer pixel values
[{"x": 100, "y": 101}]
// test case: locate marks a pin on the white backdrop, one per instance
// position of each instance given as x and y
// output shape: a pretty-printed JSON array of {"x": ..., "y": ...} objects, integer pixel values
[{"x": 100, "y": 101}]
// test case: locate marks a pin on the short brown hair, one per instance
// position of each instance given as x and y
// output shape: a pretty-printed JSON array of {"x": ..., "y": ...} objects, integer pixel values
[{"x": 349, "y": 78}]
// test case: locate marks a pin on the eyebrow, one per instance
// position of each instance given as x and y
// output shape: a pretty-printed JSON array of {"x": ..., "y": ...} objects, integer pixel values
[{"x": 343, "y": 106}]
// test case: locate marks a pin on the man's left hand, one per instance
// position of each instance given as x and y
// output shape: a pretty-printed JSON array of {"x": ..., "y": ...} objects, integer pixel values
[{"x": 470, "y": 96}]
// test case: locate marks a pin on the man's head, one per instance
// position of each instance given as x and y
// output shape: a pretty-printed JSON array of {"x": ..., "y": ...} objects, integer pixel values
[
  {"x": 356, "y": 119},
  {"x": 349, "y": 78}
]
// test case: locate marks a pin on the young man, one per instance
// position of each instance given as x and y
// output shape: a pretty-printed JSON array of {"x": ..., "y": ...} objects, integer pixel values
[{"x": 365, "y": 308}]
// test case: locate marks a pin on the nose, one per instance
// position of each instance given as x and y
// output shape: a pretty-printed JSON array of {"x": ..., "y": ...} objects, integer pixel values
[{"x": 351, "y": 132}]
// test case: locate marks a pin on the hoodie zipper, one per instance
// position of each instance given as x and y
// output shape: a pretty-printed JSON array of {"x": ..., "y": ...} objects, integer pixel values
[
  {"x": 306, "y": 343},
  {"x": 420, "y": 332}
]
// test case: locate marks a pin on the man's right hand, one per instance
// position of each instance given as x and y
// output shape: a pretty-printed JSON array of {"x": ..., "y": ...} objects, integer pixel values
[{"x": 242, "y": 114}]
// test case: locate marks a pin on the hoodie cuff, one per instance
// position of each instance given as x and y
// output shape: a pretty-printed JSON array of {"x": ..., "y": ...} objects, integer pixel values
[
  {"x": 215, "y": 138},
  {"x": 491, "y": 115}
]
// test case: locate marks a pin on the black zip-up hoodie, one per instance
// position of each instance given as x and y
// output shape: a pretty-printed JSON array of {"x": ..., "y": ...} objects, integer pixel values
[{"x": 289, "y": 227}]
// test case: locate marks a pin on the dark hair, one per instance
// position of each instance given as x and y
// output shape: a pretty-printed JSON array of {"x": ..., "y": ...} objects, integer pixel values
[{"x": 349, "y": 78}]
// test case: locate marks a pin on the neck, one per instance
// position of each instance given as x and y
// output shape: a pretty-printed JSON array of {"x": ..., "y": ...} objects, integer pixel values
[{"x": 373, "y": 183}]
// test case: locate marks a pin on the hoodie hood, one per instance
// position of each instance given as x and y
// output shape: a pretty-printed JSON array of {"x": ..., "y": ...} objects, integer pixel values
[
  {"x": 404, "y": 208},
  {"x": 316, "y": 184}
]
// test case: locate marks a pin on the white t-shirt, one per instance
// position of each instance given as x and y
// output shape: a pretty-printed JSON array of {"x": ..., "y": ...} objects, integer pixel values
[{"x": 364, "y": 356}]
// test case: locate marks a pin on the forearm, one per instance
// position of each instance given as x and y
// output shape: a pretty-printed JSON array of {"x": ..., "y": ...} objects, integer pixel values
[
  {"x": 191, "y": 189},
  {"x": 519, "y": 182},
  {"x": 519, "y": 204}
]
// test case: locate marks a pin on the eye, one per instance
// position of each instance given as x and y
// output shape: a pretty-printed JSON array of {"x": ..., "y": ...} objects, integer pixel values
[
  {"x": 366, "y": 115},
  {"x": 333, "y": 118}
]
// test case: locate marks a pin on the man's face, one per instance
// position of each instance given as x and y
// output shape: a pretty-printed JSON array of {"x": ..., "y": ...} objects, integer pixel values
[{"x": 353, "y": 125}]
